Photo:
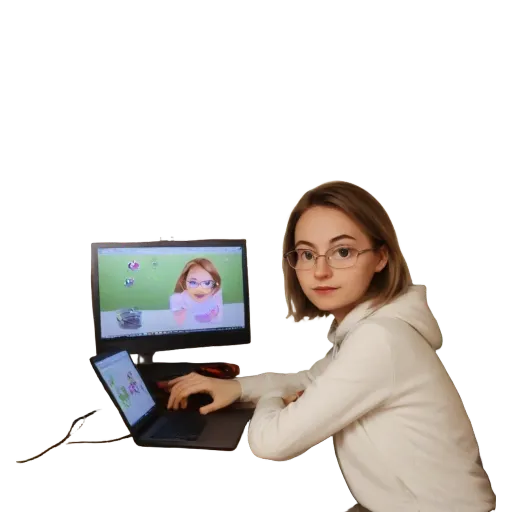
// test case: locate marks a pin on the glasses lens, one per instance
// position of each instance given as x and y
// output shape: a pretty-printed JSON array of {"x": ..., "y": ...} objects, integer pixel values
[
  {"x": 192, "y": 284},
  {"x": 208, "y": 284},
  {"x": 291, "y": 258},
  {"x": 342, "y": 257},
  {"x": 301, "y": 259}
]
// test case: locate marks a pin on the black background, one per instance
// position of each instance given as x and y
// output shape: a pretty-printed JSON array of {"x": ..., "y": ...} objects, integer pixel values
[{"x": 435, "y": 217}]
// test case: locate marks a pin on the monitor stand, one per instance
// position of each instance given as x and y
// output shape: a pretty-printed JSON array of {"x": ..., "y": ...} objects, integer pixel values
[{"x": 145, "y": 358}]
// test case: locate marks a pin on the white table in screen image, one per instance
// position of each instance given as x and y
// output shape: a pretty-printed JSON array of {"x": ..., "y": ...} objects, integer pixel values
[{"x": 163, "y": 320}]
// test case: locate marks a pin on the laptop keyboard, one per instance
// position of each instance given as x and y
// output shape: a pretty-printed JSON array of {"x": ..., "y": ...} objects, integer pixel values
[{"x": 180, "y": 425}]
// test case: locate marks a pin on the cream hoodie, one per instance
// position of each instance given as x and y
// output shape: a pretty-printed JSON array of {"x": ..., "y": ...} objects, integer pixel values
[{"x": 401, "y": 434}]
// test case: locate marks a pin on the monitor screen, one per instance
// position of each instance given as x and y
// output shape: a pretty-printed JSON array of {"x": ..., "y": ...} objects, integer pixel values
[
  {"x": 122, "y": 378},
  {"x": 168, "y": 291}
]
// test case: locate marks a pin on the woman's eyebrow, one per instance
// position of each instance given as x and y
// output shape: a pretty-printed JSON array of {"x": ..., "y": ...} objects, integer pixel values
[{"x": 331, "y": 241}]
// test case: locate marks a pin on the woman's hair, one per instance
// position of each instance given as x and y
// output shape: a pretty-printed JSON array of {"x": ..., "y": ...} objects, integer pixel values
[
  {"x": 205, "y": 264},
  {"x": 373, "y": 220}
]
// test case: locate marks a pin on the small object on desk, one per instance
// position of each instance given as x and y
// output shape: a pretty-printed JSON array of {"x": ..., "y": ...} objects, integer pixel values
[
  {"x": 219, "y": 370},
  {"x": 129, "y": 318}
]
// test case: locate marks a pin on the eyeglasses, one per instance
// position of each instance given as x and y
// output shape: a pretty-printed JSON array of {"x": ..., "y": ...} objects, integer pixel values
[
  {"x": 337, "y": 257},
  {"x": 204, "y": 284}
]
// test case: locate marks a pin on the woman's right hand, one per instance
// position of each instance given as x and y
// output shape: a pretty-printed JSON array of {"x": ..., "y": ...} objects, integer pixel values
[{"x": 224, "y": 392}]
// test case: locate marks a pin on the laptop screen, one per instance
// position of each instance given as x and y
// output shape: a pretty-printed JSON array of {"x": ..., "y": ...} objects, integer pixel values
[
  {"x": 148, "y": 291},
  {"x": 125, "y": 384}
]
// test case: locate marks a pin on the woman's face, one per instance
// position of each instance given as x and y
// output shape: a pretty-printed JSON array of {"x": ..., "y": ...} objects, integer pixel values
[
  {"x": 320, "y": 229},
  {"x": 196, "y": 276}
]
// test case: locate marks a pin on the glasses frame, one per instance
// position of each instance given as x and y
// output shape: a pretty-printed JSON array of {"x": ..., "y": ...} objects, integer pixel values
[
  {"x": 316, "y": 256},
  {"x": 200, "y": 284}
]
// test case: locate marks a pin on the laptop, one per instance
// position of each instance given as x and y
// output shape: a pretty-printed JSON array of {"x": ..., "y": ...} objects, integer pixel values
[{"x": 151, "y": 424}]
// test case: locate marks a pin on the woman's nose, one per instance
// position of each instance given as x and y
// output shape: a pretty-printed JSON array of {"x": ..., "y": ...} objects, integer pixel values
[{"x": 322, "y": 269}]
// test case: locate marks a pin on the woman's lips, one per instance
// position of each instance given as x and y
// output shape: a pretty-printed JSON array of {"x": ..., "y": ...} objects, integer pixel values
[{"x": 324, "y": 290}]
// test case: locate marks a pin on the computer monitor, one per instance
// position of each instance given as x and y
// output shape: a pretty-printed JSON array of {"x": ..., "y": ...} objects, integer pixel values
[{"x": 169, "y": 295}]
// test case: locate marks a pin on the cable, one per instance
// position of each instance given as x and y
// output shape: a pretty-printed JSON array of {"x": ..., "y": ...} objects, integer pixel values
[
  {"x": 73, "y": 429},
  {"x": 111, "y": 440},
  {"x": 215, "y": 370}
]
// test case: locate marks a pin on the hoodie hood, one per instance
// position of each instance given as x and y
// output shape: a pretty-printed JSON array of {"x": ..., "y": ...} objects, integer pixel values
[{"x": 410, "y": 307}]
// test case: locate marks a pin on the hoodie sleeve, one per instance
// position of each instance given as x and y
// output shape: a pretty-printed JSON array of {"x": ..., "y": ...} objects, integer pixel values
[
  {"x": 359, "y": 380},
  {"x": 255, "y": 386}
]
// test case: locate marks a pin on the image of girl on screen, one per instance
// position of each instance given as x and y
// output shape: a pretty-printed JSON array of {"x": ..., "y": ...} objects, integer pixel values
[{"x": 197, "y": 294}]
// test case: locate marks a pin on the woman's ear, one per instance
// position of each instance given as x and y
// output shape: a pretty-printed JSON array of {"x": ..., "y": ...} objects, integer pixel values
[{"x": 383, "y": 258}]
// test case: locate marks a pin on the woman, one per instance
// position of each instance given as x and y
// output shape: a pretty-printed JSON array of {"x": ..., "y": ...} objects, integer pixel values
[{"x": 401, "y": 435}]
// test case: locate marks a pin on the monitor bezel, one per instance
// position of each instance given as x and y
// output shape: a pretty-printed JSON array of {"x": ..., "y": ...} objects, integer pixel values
[{"x": 158, "y": 343}]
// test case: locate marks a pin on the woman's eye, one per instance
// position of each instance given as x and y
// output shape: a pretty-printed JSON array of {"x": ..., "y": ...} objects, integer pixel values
[
  {"x": 306, "y": 255},
  {"x": 343, "y": 253}
]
